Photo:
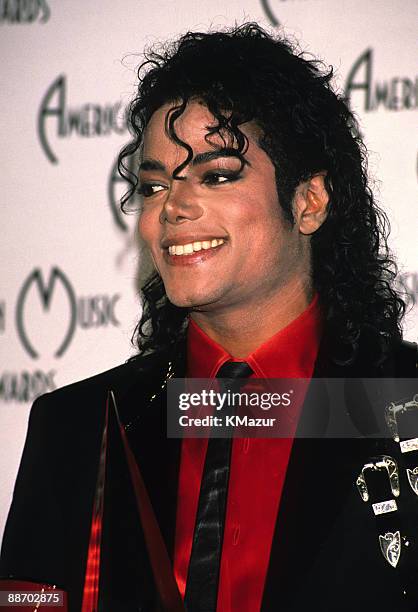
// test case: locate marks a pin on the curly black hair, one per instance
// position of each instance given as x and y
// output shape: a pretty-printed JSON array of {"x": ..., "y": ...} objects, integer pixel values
[{"x": 245, "y": 74}]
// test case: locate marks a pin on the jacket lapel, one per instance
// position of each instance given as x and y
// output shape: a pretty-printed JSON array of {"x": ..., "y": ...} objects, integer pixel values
[{"x": 143, "y": 410}]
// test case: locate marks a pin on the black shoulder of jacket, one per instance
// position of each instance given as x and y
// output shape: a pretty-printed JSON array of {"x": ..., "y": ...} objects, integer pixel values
[
  {"x": 132, "y": 383},
  {"x": 405, "y": 359},
  {"x": 117, "y": 377},
  {"x": 146, "y": 370}
]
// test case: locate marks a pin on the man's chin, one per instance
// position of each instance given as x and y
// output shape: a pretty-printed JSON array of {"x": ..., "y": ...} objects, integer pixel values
[{"x": 191, "y": 301}]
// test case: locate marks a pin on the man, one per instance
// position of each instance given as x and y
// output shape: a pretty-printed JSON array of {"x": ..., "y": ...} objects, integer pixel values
[{"x": 270, "y": 253}]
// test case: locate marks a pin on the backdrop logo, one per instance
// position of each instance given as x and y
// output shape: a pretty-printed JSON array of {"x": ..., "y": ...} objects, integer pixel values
[
  {"x": 408, "y": 281},
  {"x": 86, "y": 312},
  {"x": 26, "y": 386},
  {"x": 2, "y": 316},
  {"x": 270, "y": 14},
  {"x": 86, "y": 121},
  {"x": 45, "y": 294},
  {"x": 24, "y": 11},
  {"x": 397, "y": 93}
]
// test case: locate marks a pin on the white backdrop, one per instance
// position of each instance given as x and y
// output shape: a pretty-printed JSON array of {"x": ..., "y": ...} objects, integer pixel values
[{"x": 69, "y": 261}]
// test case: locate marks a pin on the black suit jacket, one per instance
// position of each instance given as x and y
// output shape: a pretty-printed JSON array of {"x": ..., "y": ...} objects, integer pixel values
[{"x": 325, "y": 552}]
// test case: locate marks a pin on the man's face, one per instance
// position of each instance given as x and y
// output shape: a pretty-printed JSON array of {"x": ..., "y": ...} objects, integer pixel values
[{"x": 218, "y": 236}]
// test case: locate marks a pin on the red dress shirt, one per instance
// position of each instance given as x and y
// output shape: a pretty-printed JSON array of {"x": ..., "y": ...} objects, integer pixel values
[{"x": 258, "y": 466}]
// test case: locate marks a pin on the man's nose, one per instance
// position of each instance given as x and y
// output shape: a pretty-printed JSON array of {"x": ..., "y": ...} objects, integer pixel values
[{"x": 181, "y": 204}]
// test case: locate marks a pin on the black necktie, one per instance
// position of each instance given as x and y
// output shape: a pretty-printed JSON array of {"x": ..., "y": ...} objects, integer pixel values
[{"x": 203, "y": 577}]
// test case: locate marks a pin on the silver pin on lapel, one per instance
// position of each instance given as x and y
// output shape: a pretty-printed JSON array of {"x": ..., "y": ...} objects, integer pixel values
[
  {"x": 390, "y": 545},
  {"x": 391, "y": 417},
  {"x": 413, "y": 479},
  {"x": 381, "y": 463}
]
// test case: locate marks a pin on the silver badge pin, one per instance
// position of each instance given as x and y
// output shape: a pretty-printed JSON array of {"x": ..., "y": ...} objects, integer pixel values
[
  {"x": 383, "y": 462},
  {"x": 394, "y": 410},
  {"x": 390, "y": 545},
  {"x": 413, "y": 479}
]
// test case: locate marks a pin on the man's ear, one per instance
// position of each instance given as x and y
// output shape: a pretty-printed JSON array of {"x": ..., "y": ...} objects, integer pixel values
[{"x": 311, "y": 204}]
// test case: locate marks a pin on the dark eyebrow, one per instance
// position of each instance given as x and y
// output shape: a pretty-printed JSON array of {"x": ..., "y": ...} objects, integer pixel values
[
  {"x": 200, "y": 158},
  {"x": 151, "y": 164}
]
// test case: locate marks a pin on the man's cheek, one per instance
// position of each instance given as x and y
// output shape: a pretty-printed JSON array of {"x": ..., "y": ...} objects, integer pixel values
[
  {"x": 154, "y": 259},
  {"x": 146, "y": 228}
]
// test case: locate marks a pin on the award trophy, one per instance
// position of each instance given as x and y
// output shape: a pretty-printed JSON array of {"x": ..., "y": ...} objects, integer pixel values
[{"x": 106, "y": 588}]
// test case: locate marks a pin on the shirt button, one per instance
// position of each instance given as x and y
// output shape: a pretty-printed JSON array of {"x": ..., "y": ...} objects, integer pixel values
[{"x": 235, "y": 536}]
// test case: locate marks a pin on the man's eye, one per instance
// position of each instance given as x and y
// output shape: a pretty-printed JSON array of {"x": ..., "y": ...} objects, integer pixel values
[
  {"x": 149, "y": 189},
  {"x": 216, "y": 178}
]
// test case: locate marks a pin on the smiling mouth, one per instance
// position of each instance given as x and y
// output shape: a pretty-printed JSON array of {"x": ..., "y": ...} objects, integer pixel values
[{"x": 193, "y": 247}]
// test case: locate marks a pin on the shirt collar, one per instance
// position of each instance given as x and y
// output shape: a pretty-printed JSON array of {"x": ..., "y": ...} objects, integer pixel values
[{"x": 290, "y": 353}]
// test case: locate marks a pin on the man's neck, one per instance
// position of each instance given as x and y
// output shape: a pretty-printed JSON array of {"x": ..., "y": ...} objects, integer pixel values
[{"x": 241, "y": 330}]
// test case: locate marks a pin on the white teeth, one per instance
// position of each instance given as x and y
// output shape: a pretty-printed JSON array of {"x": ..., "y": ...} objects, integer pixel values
[{"x": 187, "y": 249}]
